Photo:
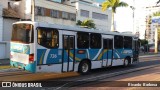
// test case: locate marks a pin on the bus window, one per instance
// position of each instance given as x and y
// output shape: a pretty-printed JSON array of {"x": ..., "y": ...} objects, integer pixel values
[
  {"x": 83, "y": 40},
  {"x": 118, "y": 42},
  {"x": 127, "y": 42},
  {"x": 48, "y": 37},
  {"x": 22, "y": 33},
  {"x": 95, "y": 40},
  {"x": 107, "y": 43}
]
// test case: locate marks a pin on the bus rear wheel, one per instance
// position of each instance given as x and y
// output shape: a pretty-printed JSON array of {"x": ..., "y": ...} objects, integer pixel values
[{"x": 84, "y": 67}]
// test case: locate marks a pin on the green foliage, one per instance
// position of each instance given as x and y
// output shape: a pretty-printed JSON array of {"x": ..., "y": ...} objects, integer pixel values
[
  {"x": 113, "y": 4},
  {"x": 86, "y": 23},
  {"x": 158, "y": 35},
  {"x": 79, "y": 22},
  {"x": 158, "y": 1},
  {"x": 156, "y": 14},
  {"x": 143, "y": 42}
]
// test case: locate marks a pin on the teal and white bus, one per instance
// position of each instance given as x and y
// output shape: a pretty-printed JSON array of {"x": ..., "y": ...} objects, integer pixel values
[{"x": 44, "y": 47}]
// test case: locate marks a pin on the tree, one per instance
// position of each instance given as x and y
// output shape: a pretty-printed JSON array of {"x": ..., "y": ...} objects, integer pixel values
[
  {"x": 79, "y": 22},
  {"x": 156, "y": 14},
  {"x": 114, "y": 4},
  {"x": 86, "y": 23},
  {"x": 158, "y": 1}
]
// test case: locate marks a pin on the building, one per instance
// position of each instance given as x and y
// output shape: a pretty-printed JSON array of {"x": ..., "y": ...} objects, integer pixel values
[
  {"x": 91, "y": 9},
  {"x": 151, "y": 23},
  {"x": 51, "y": 11},
  {"x": 8, "y": 16},
  {"x": 66, "y": 12}
]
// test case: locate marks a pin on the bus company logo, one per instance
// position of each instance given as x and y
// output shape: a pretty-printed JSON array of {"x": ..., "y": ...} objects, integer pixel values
[
  {"x": 127, "y": 52},
  {"x": 6, "y": 84}
]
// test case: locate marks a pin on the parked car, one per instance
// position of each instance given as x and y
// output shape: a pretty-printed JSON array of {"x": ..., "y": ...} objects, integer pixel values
[{"x": 151, "y": 48}]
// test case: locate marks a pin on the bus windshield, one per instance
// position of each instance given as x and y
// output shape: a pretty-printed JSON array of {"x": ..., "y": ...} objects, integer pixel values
[{"x": 22, "y": 33}]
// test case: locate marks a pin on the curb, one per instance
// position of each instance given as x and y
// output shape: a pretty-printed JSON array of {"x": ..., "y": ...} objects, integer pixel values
[{"x": 149, "y": 55}]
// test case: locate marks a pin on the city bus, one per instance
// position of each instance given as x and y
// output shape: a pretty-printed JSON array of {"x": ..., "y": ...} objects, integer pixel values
[{"x": 45, "y": 47}]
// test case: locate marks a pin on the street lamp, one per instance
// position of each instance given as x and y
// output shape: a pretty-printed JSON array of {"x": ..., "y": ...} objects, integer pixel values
[{"x": 133, "y": 8}]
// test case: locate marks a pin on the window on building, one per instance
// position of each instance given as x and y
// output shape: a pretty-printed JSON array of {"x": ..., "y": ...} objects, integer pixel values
[
  {"x": 40, "y": 11},
  {"x": 99, "y": 16},
  {"x": 65, "y": 15},
  {"x": 55, "y": 13},
  {"x": 127, "y": 42},
  {"x": 95, "y": 40},
  {"x": 118, "y": 42},
  {"x": 72, "y": 17},
  {"x": 48, "y": 12},
  {"x": 83, "y": 40},
  {"x": 48, "y": 37},
  {"x": 84, "y": 13}
]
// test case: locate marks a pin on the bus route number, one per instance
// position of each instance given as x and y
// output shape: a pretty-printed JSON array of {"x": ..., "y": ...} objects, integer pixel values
[{"x": 53, "y": 55}]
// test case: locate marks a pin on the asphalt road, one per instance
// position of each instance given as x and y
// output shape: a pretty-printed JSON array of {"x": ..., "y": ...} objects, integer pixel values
[
  {"x": 98, "y": 76},
  {"x": 148, "y": 79}
]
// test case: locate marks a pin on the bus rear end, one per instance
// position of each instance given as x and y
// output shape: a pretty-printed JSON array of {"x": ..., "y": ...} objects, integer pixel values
[{"x": 22, "y": 47}]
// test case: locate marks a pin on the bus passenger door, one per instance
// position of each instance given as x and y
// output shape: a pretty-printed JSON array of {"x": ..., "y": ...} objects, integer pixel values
[
  {"x": 107, "y": 51},
  {"x": 68, "y": 54}
]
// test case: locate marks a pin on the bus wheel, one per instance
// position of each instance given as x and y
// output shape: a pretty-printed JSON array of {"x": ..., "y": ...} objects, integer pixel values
[
  {"x": 84, "y": 67},
  {"x": 126, "y": 62}
]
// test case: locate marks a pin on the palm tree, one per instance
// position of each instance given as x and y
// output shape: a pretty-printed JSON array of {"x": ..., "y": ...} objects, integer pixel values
[
  {"x": 158, "y": 1},
  {"x": 86, "y": 23},
  {"x": 156, "y": 14},
  {"x": 114, "y": 4}
]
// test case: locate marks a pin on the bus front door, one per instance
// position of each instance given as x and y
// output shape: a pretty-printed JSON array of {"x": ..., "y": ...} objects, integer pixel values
[{"x": 68, "y": 54}]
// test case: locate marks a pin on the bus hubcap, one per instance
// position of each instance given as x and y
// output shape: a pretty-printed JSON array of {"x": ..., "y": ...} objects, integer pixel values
[
  {"x": 85, "y": 67},
  {"x": 126, "y": 62}
]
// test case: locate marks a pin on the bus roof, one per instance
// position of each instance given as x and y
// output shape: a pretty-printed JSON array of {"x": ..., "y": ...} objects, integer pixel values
[{"x": 74, "y": 28}]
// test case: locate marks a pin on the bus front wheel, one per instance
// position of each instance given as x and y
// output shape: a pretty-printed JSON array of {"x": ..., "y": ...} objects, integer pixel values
[
  {"x": 84, "y": 67},
  {"x": 126, "y": 62}
]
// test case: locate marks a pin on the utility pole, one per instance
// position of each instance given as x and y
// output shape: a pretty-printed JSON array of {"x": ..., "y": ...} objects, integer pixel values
[
  {"x": 156, "y": 41},
  {"x": 33, "y": 10}
]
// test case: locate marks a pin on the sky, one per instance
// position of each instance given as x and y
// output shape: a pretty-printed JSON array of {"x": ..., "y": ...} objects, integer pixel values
[{"x": 124, "y": 16}]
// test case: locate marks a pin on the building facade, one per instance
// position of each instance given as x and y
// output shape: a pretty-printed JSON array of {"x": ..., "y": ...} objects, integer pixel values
[
  {"x": 51, "y": 11},
  {"x": 151, "y": 23},
  {"x": 8, "y": 16},
  {"x": 91, "y": 9}
]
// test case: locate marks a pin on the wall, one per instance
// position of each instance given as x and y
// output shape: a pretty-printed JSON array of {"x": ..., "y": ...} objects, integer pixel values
[
  {"x": 1, "y": 23},
  {"x": 7, "y": 28},
  {"x": 4, "y": 47},
  {"x": 100, "y": 24},
  {"x": 55, "y": 6}
]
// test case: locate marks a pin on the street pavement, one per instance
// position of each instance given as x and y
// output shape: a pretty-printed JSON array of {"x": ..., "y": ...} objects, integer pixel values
[{"x": 121, "y": 82}]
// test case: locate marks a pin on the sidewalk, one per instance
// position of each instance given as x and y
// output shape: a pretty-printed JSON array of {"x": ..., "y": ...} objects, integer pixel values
[{"x": 148, "y": 53}]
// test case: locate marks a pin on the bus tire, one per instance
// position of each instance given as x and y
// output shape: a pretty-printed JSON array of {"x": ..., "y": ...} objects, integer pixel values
[
  {"x": 84, "y": 67},
  {"x": 126, "y": 62}
]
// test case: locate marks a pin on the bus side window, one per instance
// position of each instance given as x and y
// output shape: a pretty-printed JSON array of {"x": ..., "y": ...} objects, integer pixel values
[
  {"x": 82, "y": 40},
  {"x": 48, "y": 37},
  {"x": 118, "y": 42},
  {"x": 95, "y": 40}
]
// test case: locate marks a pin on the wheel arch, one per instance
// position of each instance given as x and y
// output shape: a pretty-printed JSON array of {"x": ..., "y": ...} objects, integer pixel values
[{"x": 128, "y": 58}]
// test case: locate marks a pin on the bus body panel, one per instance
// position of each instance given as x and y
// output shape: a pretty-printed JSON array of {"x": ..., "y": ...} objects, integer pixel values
[{"x": 65, "y": 60}]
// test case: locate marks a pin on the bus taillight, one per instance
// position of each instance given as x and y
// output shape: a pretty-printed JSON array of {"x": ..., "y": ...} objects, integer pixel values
[{"x": 31, "y": 58}]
